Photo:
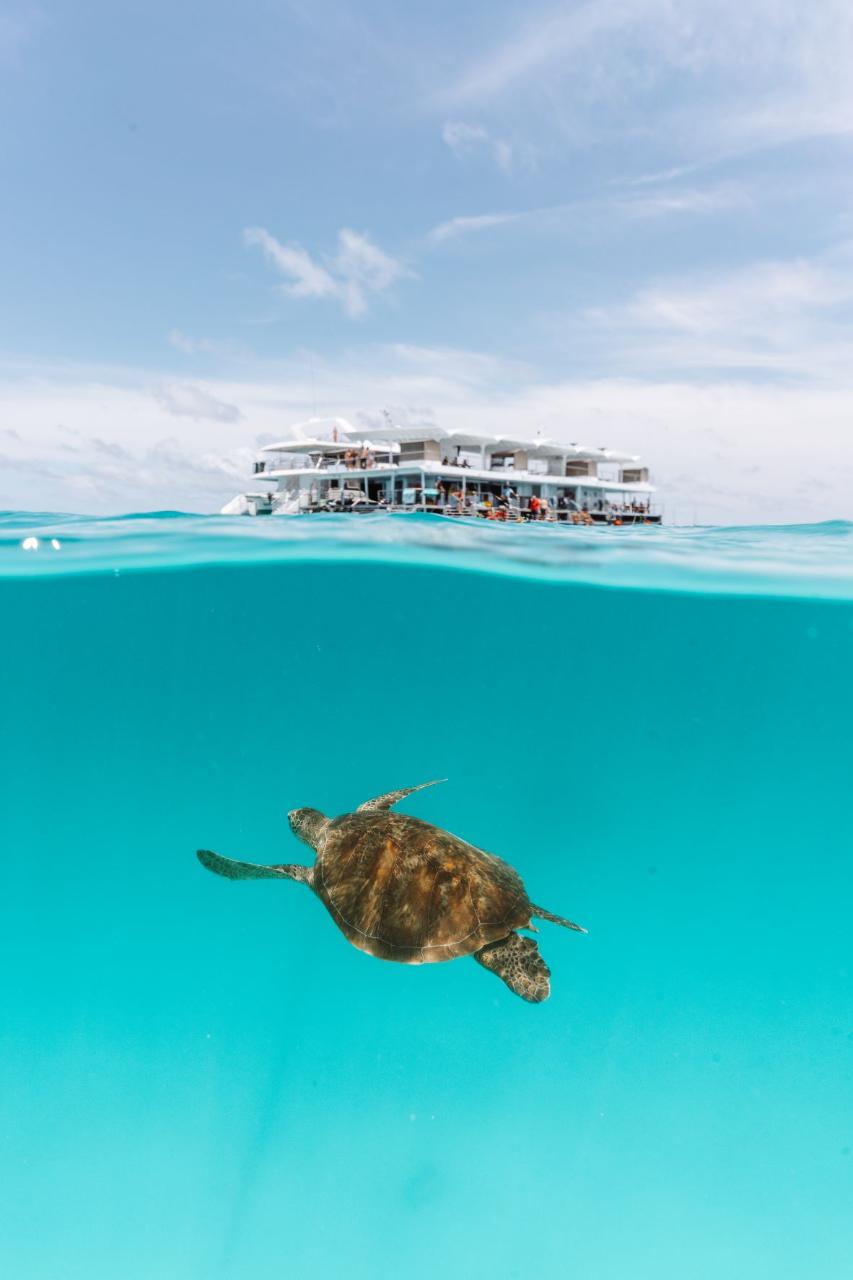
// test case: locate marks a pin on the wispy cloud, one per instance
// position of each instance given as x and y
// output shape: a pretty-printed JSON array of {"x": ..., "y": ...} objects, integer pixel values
[
  {"x": 454, "y": 227},
  {"x": 468, "y": 139},
  {"x": 187, "y": 401},
  {"x": 788, "y": 318},
  {"x": 542, "y": 39},
  {"x": 17, "y": 29},
  {"x": 722, "y": 198},
  {"x": 216, "y": 349},
  {"x": 460, "y": 367},
  {"x": 719, "y": 75},
  {"x": 357, "y": 270},
  {"x": 714, "y": 199},
  {"x": 463, "y": 138}
]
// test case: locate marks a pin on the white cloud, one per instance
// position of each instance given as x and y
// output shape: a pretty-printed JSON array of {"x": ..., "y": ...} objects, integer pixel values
[
  {"x": 308, "y": 278},
  {"x": 363, "y": 269},
  {"x": 358, "y": 269}
]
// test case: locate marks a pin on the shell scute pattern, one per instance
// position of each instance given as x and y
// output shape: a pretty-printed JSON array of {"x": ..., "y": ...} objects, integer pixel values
[{"x": 403, "y": 889}]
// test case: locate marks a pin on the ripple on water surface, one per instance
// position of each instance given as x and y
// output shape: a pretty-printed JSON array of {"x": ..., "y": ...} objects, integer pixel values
[{"x": 782, "y": 560}]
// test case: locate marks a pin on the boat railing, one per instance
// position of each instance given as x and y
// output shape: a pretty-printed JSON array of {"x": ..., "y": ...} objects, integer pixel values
[{"x": 266, "y": 466}]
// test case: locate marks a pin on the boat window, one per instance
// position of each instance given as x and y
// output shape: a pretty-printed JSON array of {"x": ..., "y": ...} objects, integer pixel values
[{"x": 419, "y": 450}]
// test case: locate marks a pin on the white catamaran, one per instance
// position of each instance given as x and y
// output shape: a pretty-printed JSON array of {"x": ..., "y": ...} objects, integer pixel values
[{"x": 329, "y": 466}]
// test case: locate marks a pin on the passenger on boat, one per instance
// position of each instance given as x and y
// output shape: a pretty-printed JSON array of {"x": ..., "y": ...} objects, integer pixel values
[
  {"x": 533, "y": 508},
  {"x": 349, "y": 459}
]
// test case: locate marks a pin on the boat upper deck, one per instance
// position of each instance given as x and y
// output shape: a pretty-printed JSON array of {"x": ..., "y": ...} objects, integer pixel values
[{"x": 454, "y": 456}]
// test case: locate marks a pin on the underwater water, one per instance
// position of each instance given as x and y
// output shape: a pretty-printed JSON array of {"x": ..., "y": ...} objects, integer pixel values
[{"x": 202, "y": 1080}]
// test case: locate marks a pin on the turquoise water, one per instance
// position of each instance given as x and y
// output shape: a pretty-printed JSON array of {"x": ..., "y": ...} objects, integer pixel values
[{"x": 201, "y": 1080}]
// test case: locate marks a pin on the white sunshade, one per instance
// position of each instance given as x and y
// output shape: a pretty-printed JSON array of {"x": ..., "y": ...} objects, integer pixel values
[
  {"x": 404, "y": 433},
  {"x": 327, "y": 446},
  {"x": 543, "y": 447},
  {"x": 308, "y": 446},
  {"x": 388, "y": 439}
]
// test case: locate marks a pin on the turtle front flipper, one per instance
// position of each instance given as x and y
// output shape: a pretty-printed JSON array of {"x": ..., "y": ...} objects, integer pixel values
[
  {"x": 250, "y": 870},
  {"x": 392, "y": 797},
  {"x": 517, "y": 962}
]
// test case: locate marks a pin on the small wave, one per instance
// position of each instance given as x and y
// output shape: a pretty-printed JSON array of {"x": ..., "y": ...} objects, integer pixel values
[{"x": 780, "y": 560}]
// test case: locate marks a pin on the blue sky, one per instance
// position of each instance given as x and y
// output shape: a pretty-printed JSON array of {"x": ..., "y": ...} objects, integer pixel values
[{"x": 622, "y": 222}]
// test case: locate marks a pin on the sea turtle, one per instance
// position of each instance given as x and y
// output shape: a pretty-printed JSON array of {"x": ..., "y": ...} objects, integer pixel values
[{"x": 402, "y": 889}]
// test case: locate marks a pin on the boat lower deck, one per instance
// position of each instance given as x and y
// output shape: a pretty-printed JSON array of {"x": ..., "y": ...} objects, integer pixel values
[{"x": 480, "y": 511}]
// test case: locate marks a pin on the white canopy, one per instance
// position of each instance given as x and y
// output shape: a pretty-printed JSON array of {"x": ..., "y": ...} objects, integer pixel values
[
  {"x": 327, "y": 446},
  {"x": 537, "y": 447}
]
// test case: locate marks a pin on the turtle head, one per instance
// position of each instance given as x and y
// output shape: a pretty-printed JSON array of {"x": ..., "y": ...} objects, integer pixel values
[{"x": 307, "y": 824}]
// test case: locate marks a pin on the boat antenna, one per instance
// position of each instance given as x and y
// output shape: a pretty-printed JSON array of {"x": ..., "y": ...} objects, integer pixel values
[{"x": 313, "y": 385}]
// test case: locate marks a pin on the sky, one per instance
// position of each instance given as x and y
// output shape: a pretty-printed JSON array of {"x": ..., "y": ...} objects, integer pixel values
[{"x": 620, "y": 222}]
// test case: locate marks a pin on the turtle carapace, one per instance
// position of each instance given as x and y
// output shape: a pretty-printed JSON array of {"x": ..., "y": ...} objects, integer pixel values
[{"x": 402, "y": 889}]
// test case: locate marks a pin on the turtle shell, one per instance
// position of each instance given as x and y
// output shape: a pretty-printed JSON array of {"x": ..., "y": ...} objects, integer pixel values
[{"x": 402, "y": 889}]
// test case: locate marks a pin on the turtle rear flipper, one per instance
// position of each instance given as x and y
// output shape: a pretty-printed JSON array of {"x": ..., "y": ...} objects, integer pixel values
[
  {"x": 250, "y": 870},
  {"x": 517, "y": 962}
]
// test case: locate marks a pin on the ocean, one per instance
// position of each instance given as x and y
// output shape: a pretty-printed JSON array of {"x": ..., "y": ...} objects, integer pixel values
[{"x": 202, "y": 1080}]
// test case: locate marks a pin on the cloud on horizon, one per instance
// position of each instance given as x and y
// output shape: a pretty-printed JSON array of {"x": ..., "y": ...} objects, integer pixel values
[
  {"x": 768, "y": 452},
  {"x": 187, "y": 401},
  {"x": 789, "y": 319}
]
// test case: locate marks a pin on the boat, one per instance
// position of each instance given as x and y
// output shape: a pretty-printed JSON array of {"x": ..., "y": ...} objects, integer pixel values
[{"x": 329, "y": 466}]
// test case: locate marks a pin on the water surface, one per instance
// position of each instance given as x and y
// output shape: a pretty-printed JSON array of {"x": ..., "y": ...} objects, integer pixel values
[{"x": 202, "y": 1080}]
